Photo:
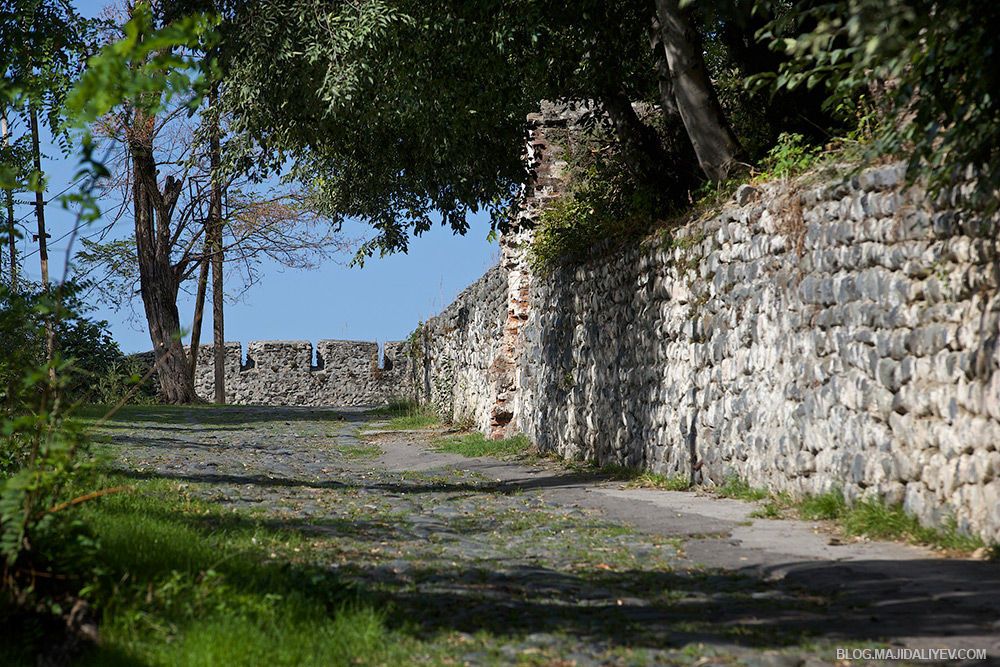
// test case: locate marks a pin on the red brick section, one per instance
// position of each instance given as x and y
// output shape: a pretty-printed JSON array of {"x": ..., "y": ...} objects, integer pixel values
[{"x": 548, "y": 132}]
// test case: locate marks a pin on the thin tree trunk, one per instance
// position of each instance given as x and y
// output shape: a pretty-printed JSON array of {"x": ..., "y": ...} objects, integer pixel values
[
  {"x": 215, "y": 215},
  {"x": 199, "y": 309},
  {"x": 716, "y": 146},
  {"x": 158, "y": 279},
  {"x": 11, "y": 231}
]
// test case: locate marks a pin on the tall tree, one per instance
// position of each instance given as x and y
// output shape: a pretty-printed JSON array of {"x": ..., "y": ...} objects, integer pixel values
[
  {"x": 213, "y": 241},
  {"x": 10, "y": 228},
  {"x": 400, "y": 112},
  {"x": 45, "y": 44},
  {"x": 715, "y": 144},
  {"x": 153, "y": 207},
  {"x": 168, "y": 169}
]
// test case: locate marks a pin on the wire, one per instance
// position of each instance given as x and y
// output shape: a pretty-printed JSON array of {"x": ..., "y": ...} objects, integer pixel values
[
  {"x": 75, "y": 228},
  {"x": 49, "y": 200}
]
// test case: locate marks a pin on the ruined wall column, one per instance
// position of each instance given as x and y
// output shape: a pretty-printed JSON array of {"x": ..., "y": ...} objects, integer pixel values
[{"x": 548, "y": 134}]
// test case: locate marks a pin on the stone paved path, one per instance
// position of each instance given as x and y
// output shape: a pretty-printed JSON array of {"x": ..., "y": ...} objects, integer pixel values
[{"x": 535, "y": 564}]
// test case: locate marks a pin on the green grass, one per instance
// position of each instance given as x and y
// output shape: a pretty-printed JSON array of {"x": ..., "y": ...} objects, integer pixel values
[
  {"x": 177, "y": 581},
  {"x": 868, "y": 518},
  {"x": 474, "y": 445},
  {"x": 735, "y": 487},
  {"x": 876, "y": 520},
  {"x": 830, "y": 505},
  {"x": 778, "y": 506},
  {"x": 360, "y": 452},
  {"x": 414, "y": 422},
  {"x": 638, "y": 478},
  {"x": 406, "y": 415}
]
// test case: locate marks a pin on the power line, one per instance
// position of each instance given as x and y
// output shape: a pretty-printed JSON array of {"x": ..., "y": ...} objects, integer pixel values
[
  {"x": 75, "y": 228},
  {"x": 49, "y": 200}
]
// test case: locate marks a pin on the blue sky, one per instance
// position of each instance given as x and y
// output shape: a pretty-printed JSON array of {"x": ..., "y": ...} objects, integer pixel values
[{"x": 382, "y": 301}]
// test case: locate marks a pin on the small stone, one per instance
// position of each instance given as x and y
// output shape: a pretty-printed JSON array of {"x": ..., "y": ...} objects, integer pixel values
[{"x": 745, "y": 194}]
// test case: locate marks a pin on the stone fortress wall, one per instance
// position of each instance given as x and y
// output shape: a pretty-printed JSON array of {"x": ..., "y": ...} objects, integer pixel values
[
  {"x": 482, "y": 384},
  {"x": 456, "y": 354},
  {"x": 809, "y": 336},
  {"x": 845, "y": 334},
  {"x": 283, "y": 373}
]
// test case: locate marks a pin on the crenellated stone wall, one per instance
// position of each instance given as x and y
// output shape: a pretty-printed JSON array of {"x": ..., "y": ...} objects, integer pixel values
[
  {"x": 282, "y": 373},
  {"x": 836, "y": 333}
]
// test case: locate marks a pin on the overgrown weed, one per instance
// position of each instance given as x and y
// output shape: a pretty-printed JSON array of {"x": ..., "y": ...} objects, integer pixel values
[
  {"x": 474, "y": 445},
  {"x": 874, "y": 519},
  {"x": 406, "y": 415},
  {"x": 734, "y": 487}
]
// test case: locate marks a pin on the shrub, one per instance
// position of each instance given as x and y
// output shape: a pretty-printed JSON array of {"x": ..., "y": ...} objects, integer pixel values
[{"x": 604, "y": 204}]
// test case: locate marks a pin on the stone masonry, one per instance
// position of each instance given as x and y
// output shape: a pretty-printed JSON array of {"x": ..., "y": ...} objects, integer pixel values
[
  {"x": 839, "y": 333},
  {"x": 283, "y": 373},
  {"x": 809, "y": 336},
  {"x": 842, "y": 335}
]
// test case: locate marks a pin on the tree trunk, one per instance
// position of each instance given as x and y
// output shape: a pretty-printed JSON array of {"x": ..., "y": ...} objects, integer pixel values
[
  {"x": 199, "y": 309},
  {"x": 677, "y": 138},
  {"x": 215, "y": 227},
  {"x": 715, "y": 145},
  {"x": 641, "y": 149},
  {"x": 158, "y": 279}
]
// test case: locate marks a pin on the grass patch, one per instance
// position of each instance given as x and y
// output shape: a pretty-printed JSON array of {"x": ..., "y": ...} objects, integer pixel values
[
  {"x": 871, "y": 519},
  {"x": 830, "y": 506},
  {"x": 778, "y": 506},
  {"x": 734, "y": 487},
  {"x": 874, "y": 519},
  {"x": 414, "y": 422},
  {"x": 178, "y": 581},
  {"x": 474, "y": 445},
  {"x": 396, "y": 408},
  {"x": 406, "y": 415},
  {"x": 360, "y": 452},
  {"x": 636, "y": 478}
]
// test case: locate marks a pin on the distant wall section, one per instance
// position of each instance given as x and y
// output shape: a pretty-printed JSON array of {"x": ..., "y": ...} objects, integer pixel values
[
  {"x": 457, "y": 368},
  {"x": 281, "y": 372}
]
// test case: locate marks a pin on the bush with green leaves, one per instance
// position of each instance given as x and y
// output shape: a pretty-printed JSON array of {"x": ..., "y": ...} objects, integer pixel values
[
  {"x": 38, "y": 445},
  {"x": 790, "y": 156},
  {"x": 98, "y": 372},
  {"x": 932, "y": 64},
  {"x": 604, "y": 204}
]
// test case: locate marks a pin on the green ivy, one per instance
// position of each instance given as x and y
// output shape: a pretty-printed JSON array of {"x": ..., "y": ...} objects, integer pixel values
[{"x": 603, "y": 204}]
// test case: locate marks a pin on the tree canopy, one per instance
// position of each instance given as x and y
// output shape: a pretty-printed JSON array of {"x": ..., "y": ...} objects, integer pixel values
[
  {"x": 935, "y": 63},
  {"x": 399, "y": 111}
]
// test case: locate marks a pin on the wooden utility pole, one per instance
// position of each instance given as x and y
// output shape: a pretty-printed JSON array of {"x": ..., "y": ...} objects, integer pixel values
[
  {"x": 43, "y": 250},
  {"x": 215, "y": 228},
  {"x": 11, "y": 236}
]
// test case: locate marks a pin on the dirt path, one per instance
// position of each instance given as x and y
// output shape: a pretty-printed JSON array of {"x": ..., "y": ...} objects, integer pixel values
[
  {"x": 904, "y": 595},
  {"x": 494, "y": 562}
]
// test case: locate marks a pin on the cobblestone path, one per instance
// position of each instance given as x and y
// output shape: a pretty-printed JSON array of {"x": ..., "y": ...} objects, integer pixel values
[{"x": 496, "y": 559}]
